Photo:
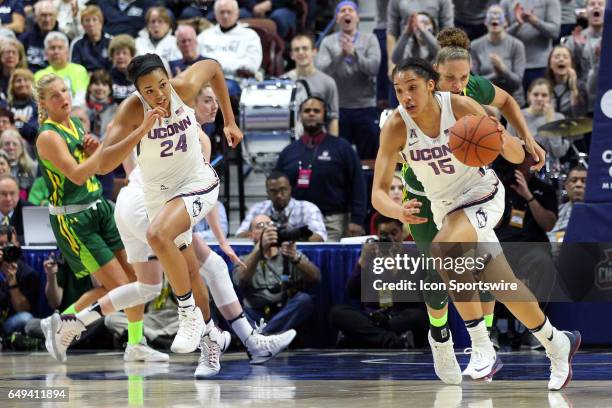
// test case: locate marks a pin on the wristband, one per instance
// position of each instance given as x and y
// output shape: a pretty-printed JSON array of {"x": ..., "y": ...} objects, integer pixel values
[{"x": 13, "y": 287}]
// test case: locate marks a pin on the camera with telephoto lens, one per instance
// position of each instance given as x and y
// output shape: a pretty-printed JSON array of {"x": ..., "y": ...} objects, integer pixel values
[
  {"x": 11, "y": 253},
  {"x": 286, "y": 233}
]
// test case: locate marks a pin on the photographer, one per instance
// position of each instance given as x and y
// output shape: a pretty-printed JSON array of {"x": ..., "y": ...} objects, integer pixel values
[
  {"x": 384, "y": 324},
  {"x": 274, "y": 279},
  {"x": 19, "y": 285}
]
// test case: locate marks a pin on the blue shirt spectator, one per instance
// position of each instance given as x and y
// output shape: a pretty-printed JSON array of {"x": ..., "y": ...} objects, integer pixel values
[
  {"x": 12, "y": 15},
  {"x": 91, "y": 49},
  {"x": 33, "y": 39},
  {"x": 124, "y": 17}
]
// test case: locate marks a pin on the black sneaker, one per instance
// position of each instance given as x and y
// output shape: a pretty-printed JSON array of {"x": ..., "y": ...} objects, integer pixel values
[{"x": 22, "y": 342}]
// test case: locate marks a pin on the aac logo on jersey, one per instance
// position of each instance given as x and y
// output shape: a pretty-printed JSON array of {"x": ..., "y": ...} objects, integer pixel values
[{"x": 481, "y": 217}]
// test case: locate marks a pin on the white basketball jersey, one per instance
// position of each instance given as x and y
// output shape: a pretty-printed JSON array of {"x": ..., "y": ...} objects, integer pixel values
[
  {"x": 171, "y": 154},
  {"x": 443, "y": 176},
  {"x": 135, "y": 178}
]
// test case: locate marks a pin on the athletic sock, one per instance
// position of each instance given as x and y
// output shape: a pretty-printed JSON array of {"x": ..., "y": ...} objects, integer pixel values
[
  {"x": 90, "y": 315},
  {"x": 135, "y": 330},
  {"x": 478, "y": 333},
  {"x": 240, "y": 325},
  {"x": 488, "y": 319},
  {"x": 70, "y": 310},
  {"x": 208, "y": 326},
  {"x": 186, "y": 300},
  {"x": 438, "y": 326},
  {"x": 548, "y": 335}
]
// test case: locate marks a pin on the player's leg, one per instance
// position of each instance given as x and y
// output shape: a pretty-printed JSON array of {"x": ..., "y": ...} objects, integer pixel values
[{"x": 214, "y": 270}]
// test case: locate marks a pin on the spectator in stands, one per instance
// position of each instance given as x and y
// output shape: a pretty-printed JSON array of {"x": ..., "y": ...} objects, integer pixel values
[
  {"x": 12, "y": 56},
  {"x": 319, "y": 83},
  {"x": 69, "y": 17},
  {"x": 575, "y": 186},
  {"x": 22, "y": 104},
  {"x": 236, "y": 47},
  {"x": 470, "y": 16},
  {"x": 327, "y": 172},
  {"x": 122, "y": 49},
  {"x": 569, "y": 16},
  {"x": 91, "y": 48},
  {"x": 386, "y": 324},
  {"x": 187, "y": 42},
  {"x": 396, "y": 192},
  {"x": 75, "y": 75},
  {"x": 536, "y": 23},
  {"x": 541, "y": 110},
  {"x": 158, "y": 38},
  {"x": 499, "y": 57},
  {"x": 399, "y": 12},
  {"x": 352, "y": 57},
  {"x": 12, "y": 15},
  {"x": 380, "y": 31},
  {"x": 23, "y": 166},
  {"x": 11, "y": 205},
  {"x": 279, "y": 11},
  {"x": 418, "y": 39},
  {"x": 124, "y": 17},
  {"x": 33, "y": 39},
  {"x": 280, "y": 205},
  {"x": 100, "y": 102},
  {"x": 245, "y": 10},
  {"x": 586, "y": 46},
  {"x": 569, "y": 92},
  {"x": 5, "y": 167},
  {"x": 273, "y": 282},
  {"x": 19, "y": 287}
]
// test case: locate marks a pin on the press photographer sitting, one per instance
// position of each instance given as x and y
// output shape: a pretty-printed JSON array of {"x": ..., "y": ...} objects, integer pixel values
[
  {"x": 19, "y": 285},
  {"x": 275, "y": 277},
  {"x": 384, "y": 324}
]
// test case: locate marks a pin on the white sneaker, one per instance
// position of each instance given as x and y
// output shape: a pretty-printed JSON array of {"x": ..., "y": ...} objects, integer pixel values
[
  {"x": 208, "y": 363},
  {"x": 60, "y": 331},
  {"x": 262, "y": 348},
  {"x": 445, "y": 362},
  {"x": 142, "y": 352},
  {"x": 561, "y": 361},
  {"x": 484, "y": 363},
  {"x": 191, "y": 327},
  {"x": 223, "y": 338}
]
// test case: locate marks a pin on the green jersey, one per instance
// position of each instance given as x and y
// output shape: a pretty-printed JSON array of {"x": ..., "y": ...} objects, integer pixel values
[{"x": 62, "y": 191}]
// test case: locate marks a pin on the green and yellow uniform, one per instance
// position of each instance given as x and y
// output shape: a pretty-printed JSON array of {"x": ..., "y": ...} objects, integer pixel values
[
  {"x": 83, "y": 224},
  {"x": 482, "y": 91}
]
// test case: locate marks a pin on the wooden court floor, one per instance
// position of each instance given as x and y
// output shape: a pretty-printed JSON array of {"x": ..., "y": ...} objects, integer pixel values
[{"x": 300, "y": 379}]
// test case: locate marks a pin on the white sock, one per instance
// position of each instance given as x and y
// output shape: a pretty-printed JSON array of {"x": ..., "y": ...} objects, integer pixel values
[
  {"x": 480, "y": 336},
  {"x": 187, "y": 300},
  {"x": 89, "y": 315},
  {"x": 241, "y": 327},
  {"x": 549, "y": 336}
]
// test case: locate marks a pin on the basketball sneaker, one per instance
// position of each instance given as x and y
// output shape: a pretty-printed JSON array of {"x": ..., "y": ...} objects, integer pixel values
[
  {"x": 142, "y": 352},
  {"x": 445, "y": 362},
  {"x": 212, "y": 346},
  {"x": 191, "y": 327},
  {"x": 561, "y": 360},
  {"x": 60, "y": 331},
  {"x": 484, "y": 362},
  {"x": 261, "y": 348}
]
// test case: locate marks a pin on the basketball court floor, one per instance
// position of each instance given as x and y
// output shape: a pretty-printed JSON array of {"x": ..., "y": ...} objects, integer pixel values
[{"x": 301, "y": 379}]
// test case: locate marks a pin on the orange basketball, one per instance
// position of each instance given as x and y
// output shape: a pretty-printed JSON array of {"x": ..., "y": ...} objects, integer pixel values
[{"x": 475, "y": 140}]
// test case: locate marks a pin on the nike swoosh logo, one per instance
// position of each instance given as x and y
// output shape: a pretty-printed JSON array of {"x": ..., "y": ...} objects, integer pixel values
[
  {"x": 269, "y": 354},
  {"x": 412, "y": 144},
  {"x": 550, "y": 338},
  {"x": 480, "y": 369}
]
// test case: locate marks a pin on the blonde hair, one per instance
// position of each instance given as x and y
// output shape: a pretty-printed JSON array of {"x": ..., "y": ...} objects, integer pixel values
[
  {"x": 23, "y": 60},
  {"x": 41, "y": 89},
  {"x": 19, "y": 72},
  {"x": 122, "y": 41},
  {"x": 91, "y": 11},
  {"x": 25, "y": 161}
]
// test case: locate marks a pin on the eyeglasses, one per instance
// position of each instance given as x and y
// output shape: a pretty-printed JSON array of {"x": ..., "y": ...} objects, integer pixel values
[{"x": 263, "y": 224}]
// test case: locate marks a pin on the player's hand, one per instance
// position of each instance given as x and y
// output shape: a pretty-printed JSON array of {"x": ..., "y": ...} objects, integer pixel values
[
  {"x": 536, "y": 151},
  {"x": 153, "y": 116},
  {"x": 90, "y": 144},
  {"x": 409, "y": 210},
  {"x": 229, "y": 251},
  {"x": 233, "y": 134},
  {"x": 521, "y": 187}
]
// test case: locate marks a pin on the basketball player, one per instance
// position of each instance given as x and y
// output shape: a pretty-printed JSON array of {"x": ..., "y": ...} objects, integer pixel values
[
  {"x": 457, "y": 195},
  {"x": 453, "y": 65},
  {"x": 81, "y": 219}
]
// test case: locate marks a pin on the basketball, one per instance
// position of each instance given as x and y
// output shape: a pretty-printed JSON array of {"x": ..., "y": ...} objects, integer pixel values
[{"x": 475, "y": 140}]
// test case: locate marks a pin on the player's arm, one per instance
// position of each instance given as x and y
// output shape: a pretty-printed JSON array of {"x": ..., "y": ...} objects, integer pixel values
[
  {"x": 512, "y": 148},
  {"x": 511, "y": 110},
  {"x": 189, "y": 82},
  {"x": 52, "y": 148},
  {"x": 392, "y": 139},
  {"x": 125, "y": 133},
  {"x": 206, "y": 146}
]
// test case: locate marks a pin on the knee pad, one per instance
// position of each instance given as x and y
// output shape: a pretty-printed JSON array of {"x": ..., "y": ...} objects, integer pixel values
[
  {"x": 215, "y": 273},
  {"x": 149, "y": 292}
]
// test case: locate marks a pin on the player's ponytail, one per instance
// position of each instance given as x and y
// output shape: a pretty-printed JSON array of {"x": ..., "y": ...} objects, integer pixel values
[{"x": 41, "y": 90}]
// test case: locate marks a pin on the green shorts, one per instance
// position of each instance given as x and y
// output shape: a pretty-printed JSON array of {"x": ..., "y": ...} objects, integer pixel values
[{"x": 87, "y": 239}]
